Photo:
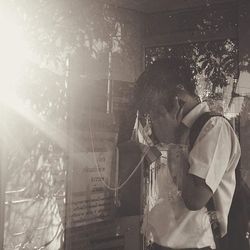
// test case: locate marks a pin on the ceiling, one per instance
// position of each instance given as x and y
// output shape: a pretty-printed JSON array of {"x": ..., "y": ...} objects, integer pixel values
[{"x": 151, "y": 6}]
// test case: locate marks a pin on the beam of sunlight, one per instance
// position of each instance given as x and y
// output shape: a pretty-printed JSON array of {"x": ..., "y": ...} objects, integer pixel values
[
  {"x": 14, "y": 53},
  {"x": 51, "y": 131}
]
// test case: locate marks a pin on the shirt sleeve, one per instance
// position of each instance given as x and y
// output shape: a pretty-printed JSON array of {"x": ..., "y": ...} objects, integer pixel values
[{"x": 210, "y": 156}]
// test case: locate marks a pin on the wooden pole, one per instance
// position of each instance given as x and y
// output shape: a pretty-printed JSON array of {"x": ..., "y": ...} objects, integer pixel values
[{"x": 2, "y": 175}]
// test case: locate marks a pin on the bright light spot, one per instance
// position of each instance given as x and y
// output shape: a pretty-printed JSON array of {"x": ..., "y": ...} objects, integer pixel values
[{"x": 14, "y": 52}]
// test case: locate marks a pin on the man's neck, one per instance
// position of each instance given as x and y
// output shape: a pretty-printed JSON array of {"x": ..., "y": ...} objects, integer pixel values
[{"x": 188, "y": 106}]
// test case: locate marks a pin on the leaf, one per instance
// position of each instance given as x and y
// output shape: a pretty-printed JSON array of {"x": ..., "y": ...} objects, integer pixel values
[
  {"x": 204, "y": 64},
  {"x": 208, "y": 69}
]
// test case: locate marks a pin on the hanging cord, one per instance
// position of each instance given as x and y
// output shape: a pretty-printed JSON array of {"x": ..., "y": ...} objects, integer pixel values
[{"x": 115, "y": 188}]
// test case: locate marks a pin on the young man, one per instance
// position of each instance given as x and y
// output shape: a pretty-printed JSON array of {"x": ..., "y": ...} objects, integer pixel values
[{"x": 166, "y": 92}]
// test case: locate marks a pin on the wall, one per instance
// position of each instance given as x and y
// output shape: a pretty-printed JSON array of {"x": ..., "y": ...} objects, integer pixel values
[
  {"x": 88, "y": 97},
  {"x": 126, "y": 52},
  {"x": 127, "y": 65}
]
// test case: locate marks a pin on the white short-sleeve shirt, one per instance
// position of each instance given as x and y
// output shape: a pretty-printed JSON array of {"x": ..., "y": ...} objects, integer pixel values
[{"x": 213, "y": 158}]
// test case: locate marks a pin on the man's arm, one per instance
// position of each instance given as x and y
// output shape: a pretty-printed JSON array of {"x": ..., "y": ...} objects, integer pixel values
[{"x": 196, "y": 193}]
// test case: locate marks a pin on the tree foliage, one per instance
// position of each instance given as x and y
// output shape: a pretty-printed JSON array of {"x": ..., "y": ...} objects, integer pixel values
[
  {"x": 214, "y": 63},
  {"x": 219, "y": 61}
]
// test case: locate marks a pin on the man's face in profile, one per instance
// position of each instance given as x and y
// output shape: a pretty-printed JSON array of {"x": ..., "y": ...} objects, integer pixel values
[{"x": 166, "y": 119}]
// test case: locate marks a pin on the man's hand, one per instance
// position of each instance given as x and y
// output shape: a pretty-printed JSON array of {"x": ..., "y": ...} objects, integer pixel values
[{"x": 166, "y": 123}]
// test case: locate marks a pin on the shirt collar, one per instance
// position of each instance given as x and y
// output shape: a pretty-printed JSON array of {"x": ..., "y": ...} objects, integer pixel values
[{"x": 192, "y": 115}]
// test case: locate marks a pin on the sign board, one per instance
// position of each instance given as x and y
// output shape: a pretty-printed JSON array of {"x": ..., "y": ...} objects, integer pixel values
[
  {"x": 91, "y": 177},
  {"x": 91, "y": 201}
]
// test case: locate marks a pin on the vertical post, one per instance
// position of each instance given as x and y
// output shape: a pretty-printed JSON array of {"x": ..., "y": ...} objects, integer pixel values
[
  {"x": 2, "y": 174},
  {"x": 244, "y": 49},
  {"x": 67, "y": 233},
  {"x": 109, "y": 91}
]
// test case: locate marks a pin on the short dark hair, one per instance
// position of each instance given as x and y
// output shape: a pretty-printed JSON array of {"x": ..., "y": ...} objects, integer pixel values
[{"x": 157, "y": 84}]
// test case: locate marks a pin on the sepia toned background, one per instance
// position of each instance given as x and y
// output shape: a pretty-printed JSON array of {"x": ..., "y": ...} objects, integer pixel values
[{"x": 68, "y": 69}]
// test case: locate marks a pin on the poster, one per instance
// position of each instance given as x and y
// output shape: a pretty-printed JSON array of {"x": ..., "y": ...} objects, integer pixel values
[
  {"x": 91, "y": 199},
  {"x": 91, "y": 171}
]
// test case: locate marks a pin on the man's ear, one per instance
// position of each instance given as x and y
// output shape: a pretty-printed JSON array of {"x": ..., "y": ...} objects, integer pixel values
[
  {"x": 181, "y": 93},
  {"x": 180, "y": 87}
]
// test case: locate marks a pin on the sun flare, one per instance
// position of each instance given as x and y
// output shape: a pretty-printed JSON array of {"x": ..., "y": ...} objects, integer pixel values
[{"x": 14, "y": 52}]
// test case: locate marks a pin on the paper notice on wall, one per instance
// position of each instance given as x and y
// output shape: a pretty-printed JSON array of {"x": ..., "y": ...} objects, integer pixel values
[
  {"x": 90, "y": 200},
  {"x": 91, "y": 170}
]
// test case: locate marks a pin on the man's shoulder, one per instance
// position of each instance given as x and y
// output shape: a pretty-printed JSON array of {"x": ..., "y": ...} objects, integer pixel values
[
  {"x": 218, "y": 122},
  {"x": 215, "y": 126},
  {"x": 207, "y": 123}
]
